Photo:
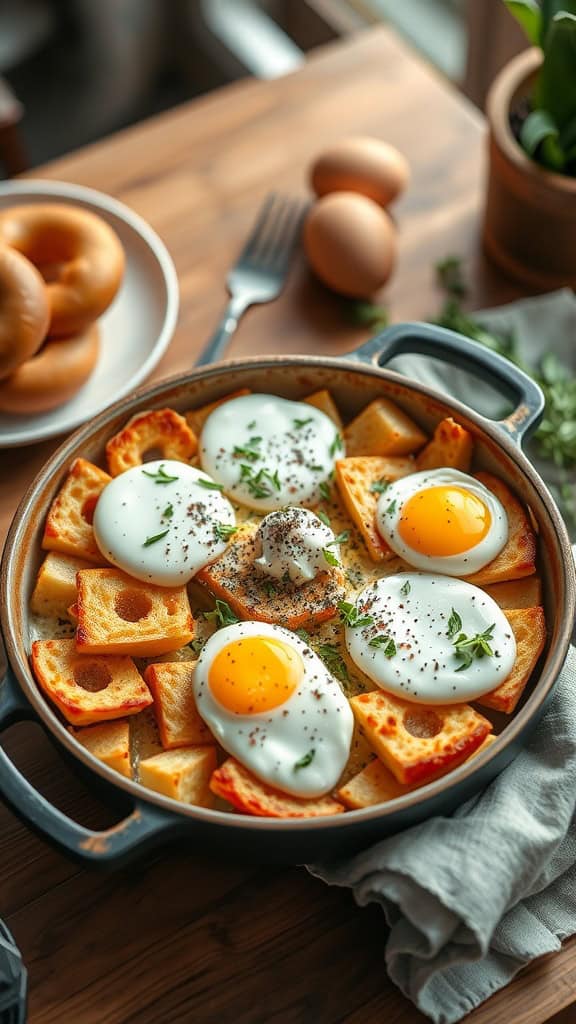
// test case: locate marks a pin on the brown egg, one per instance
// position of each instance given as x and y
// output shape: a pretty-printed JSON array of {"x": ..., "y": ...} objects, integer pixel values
[
  {"x": 368, "y": 166},
  {"x": 351, "y": 243}
]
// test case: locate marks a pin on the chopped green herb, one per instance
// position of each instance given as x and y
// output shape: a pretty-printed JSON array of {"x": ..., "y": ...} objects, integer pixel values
[
  {"x": 337, "y": 445},
  {"x": 340, "y": 538},
  {"x": 379, "y": 486},
  {"x": 323, "y": 517},
  {"x": 314, "y": 468},
  {"x": 258, "y": 483},
  {"x": 250, "y": 450},
  {"x": 454, "y": 624},
  {"x": 325, "y": 491},
  {"x": 269, "y": 588},
  {"x": 222, "y": 614},
  {"x": 384, "y": 641},
  {"x": 470, "y": 647},
  {"x": 168, "y": 512},
  {"x": 304, "y": 635},
  {"x": 330, "y": 557},
  {"x": 209, "y": 485},
  {"x": 160, "y": 476},
  {"x": 302, "y": 423},
  {"x": 251, "y": 425},
  {"x": 334, "y": 661},
  {"x": 154, "y": 539},
  {"x": 305, "y": 761},
  {"x": 196, "y": 645},
  {"x": 405, "y": 588},
  {"x": 391, "y": 508},
  {"x": 350, "y": 615},
  {"x": 222, "y": 531}
]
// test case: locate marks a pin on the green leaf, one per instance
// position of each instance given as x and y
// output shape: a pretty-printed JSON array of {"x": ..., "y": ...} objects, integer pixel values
[
  {"x": 154, "y": 539},
  {"x": 222, "y": 614},
  {"x": 550, "y": 8},
  {"x": 556, "y": 84},
  {"x": 379, "y": 486},
  {"x": 329, "y": 557},
  {"x": 454, "y": 623},
  {"x": 538, "y": 126},
  {"x": 305, "y": 761},
  {"x": 528, "y": 16}
]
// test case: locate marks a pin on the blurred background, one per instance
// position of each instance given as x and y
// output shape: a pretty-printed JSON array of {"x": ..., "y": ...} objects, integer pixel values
[{"x": 72, "y": 71}]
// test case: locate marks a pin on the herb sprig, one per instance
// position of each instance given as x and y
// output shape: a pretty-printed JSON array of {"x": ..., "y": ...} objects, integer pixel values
[
  {"x": 350, "y": 616},
  {"x": 153, "y": 540},
  {"x": 305, "y": 761},
  {"x": 160, "y": 476},
  {"x": 384, "y": 641},
  {"x": 222, "y": 614},
  {"x": 469, "y": 647},
  {"x": 222, "y": 531}
]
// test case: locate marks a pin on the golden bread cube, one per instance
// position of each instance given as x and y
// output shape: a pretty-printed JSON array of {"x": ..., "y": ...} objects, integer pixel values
[
  {"x": 110, "y": 743},
  {"x": 233, "y": 579},
  {"x": 120, "y": 615},
  {"x": 323, "y": 401},
  {"x": 171, "y": 685},
  {"x": 518, "y": 556},
  {"x": 55, "y": 588},
  {"x": 382, "y": 428},
  {"x": 69, "y": 522},
  {"x": 234, "y": 783},
  {"x": 524, "y": 593},
  {"x": 88, "y": 689},
  {"x": 196, "y": 418},
  {"x": 529, "y": 628},
  {"x": 158, "y": 429},
  {"x": 182, "y": 774},
  {"x": 415, "y": 742},
  {"x": 360, "y": 481},
  {"x": 451, "y": 445}
]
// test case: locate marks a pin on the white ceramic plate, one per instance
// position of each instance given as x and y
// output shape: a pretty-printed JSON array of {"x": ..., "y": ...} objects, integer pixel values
[{"x": 135, "y": 330}]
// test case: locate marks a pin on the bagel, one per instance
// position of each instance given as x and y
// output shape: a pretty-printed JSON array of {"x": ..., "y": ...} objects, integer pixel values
[
  {"x": 53, "y": 376},
  {"x": 24, "y": 310},
  {"x": 79, "y": 256}
]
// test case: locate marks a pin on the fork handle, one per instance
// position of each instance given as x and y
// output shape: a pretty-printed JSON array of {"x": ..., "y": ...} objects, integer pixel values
[{"x": 219, "y": 340}]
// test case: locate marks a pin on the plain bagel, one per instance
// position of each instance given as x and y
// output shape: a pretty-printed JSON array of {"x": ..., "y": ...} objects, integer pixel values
[
  {"x": 53, "y": 376},
  {"x": 79, "y": 256},
  {"x": 24, "y": 310}
]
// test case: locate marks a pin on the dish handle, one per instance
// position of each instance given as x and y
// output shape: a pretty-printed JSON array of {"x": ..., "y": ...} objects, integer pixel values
[
  {"x": 143, "y": 828},
  {"x": 455, "y": 349}
]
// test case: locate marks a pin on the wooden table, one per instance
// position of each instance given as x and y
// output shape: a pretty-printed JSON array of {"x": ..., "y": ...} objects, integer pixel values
[{"x": 183, "y": 938}]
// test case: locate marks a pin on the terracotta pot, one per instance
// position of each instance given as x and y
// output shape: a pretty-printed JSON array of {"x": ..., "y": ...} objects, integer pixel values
[{"x": 530, "y": 216}]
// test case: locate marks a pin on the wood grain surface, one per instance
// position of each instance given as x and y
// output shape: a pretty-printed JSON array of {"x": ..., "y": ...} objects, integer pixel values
[{"x": 182, "y": 937}]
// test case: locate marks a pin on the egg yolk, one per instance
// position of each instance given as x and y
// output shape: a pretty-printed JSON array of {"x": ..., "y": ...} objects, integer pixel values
[
  {"x": 254, "y": 674},
  {"x": 443, "y": 521}
]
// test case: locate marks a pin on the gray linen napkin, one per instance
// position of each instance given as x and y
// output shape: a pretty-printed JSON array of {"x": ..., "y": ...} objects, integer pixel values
[{"x": 470, "y": 900}]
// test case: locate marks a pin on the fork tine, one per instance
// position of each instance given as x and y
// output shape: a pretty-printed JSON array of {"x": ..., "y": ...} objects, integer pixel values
[
  {"x": 291, "y": 225},
  {"x": 258, "y": 230}
]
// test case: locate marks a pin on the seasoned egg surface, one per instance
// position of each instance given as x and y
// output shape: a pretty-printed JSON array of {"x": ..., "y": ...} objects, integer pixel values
[
  {"x": 418, "y": 636},
  {"x": 269, "y": 452},
  {"x": 272, "y": 704},
  {"x": 442, "y": 520}
]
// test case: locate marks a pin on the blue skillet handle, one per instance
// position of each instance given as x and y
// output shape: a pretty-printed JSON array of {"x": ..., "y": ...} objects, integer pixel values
[
  {"x": 453, "y": 348},
  {"x": 143, "y": 828}
]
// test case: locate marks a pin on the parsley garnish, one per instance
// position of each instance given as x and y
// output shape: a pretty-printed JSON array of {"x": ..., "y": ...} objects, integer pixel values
[
  {"x": 302, "y": 423},
  {"x": 330, "y": 557},
  {"x": 160, "y": 476},
  {"x": 454, "y": 624},
  {"x": 152, "y": 540},
  {"x": 391, "y": 508},
  {"x": 325, "y": 491},
  {"x": 323, "y": 518},
  {"x": 249, "y": 451},
  {"x": 209, "y": 485},
  {"x": 379, "y": 486},
  {"x": 350, "y": 615},
  {"x": 385, "y": 641},
  {"x": 337, "y": 445},
  {"x": 168, "y": 512},
  {"x": 405, "y": 588},
  {"x": 470, "y": 647},
  {"x": 305, "y": 761},
  {"x": 340, "y": 538},
  {"x": 334, "y": 661},
  {"x": 222, "y": 614},
  {"x": 251, "y": 425},
  {"x": 304, "y": 635},
  {"x": 224, "y": 530},
  {"x": 258, "y": 483}
]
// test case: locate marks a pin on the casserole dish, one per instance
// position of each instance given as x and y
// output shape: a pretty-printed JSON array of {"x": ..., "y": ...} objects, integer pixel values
[{"x": 151, "y": 819}]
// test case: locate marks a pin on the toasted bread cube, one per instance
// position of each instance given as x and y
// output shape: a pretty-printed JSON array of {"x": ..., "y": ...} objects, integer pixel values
[
  {"x": 55, "y": 588},
  {"x": 529, "y": 628},
  {"x": 518, "y": 556},
  {"x": 356, "y": 477},
  {"x": 232, "y": 578},
  {"x": 375, "y": 784},
  {"x": 382, "y": 428},
  {"x": 418, "y": 743},
  {"x": 323, "y": 401},
  {"x": 144, "y": 739},
  {"x": 196, "y": 418},
  {"x": 238, "y": 786},
  {"x": 451, "y": 445},
  {"x": 524, "y": 593},
  {"x": 69, "y": 523},
  {"x": 182, "y": 774},
  {"x": 119, "y": 615},
  {"x": 88, "y": 689},
  {"x": 171, "y": 685},
  {"x": 162, "y": 429},
  {"x": 110, "y": 743}
]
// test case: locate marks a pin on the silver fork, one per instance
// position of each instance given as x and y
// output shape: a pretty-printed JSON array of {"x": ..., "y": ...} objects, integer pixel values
[{"x": 261, "y": 269}]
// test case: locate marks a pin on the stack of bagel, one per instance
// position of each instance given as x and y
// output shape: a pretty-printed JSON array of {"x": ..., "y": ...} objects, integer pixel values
[{"x": 60, "y": 268}]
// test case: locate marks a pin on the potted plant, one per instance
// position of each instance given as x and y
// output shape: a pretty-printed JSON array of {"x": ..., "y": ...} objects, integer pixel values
[{"x": 530, "y": 216}]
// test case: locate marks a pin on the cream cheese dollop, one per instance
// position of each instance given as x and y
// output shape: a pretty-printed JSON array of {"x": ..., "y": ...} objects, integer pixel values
[{"x": 296, "y": 546}]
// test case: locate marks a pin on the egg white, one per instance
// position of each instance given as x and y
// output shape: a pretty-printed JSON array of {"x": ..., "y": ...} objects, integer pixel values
[
  {"x": 414, "y": 610},
  {"x": 316, "y": 717},
  {"x": 269, "y": 452},
  {"x": 294, "y": 544},
  {"x": 389, "y": 513},
  {"x": 136, "y": 506}
]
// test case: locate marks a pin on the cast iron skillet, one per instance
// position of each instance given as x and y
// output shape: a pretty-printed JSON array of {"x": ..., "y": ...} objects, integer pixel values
[{"x": 152, "y": 819}]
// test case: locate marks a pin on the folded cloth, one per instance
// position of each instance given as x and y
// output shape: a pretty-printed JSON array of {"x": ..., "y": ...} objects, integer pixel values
[{"x": 470, "y": 900}]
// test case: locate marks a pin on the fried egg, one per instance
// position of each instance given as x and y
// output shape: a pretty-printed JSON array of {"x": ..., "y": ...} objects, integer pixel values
[
  {"x": 271, "y": 703},
  {"x": 416, "y": 635},
  {"x": 296, "y": 546},
  {"x": 442, "y": 520},
  {"x": 269, "y": 452},
  {"x": 162, "y": 522}
]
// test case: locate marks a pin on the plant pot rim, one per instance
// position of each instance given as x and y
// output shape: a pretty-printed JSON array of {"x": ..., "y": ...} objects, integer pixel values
[{"x": 500, "y": 96}]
